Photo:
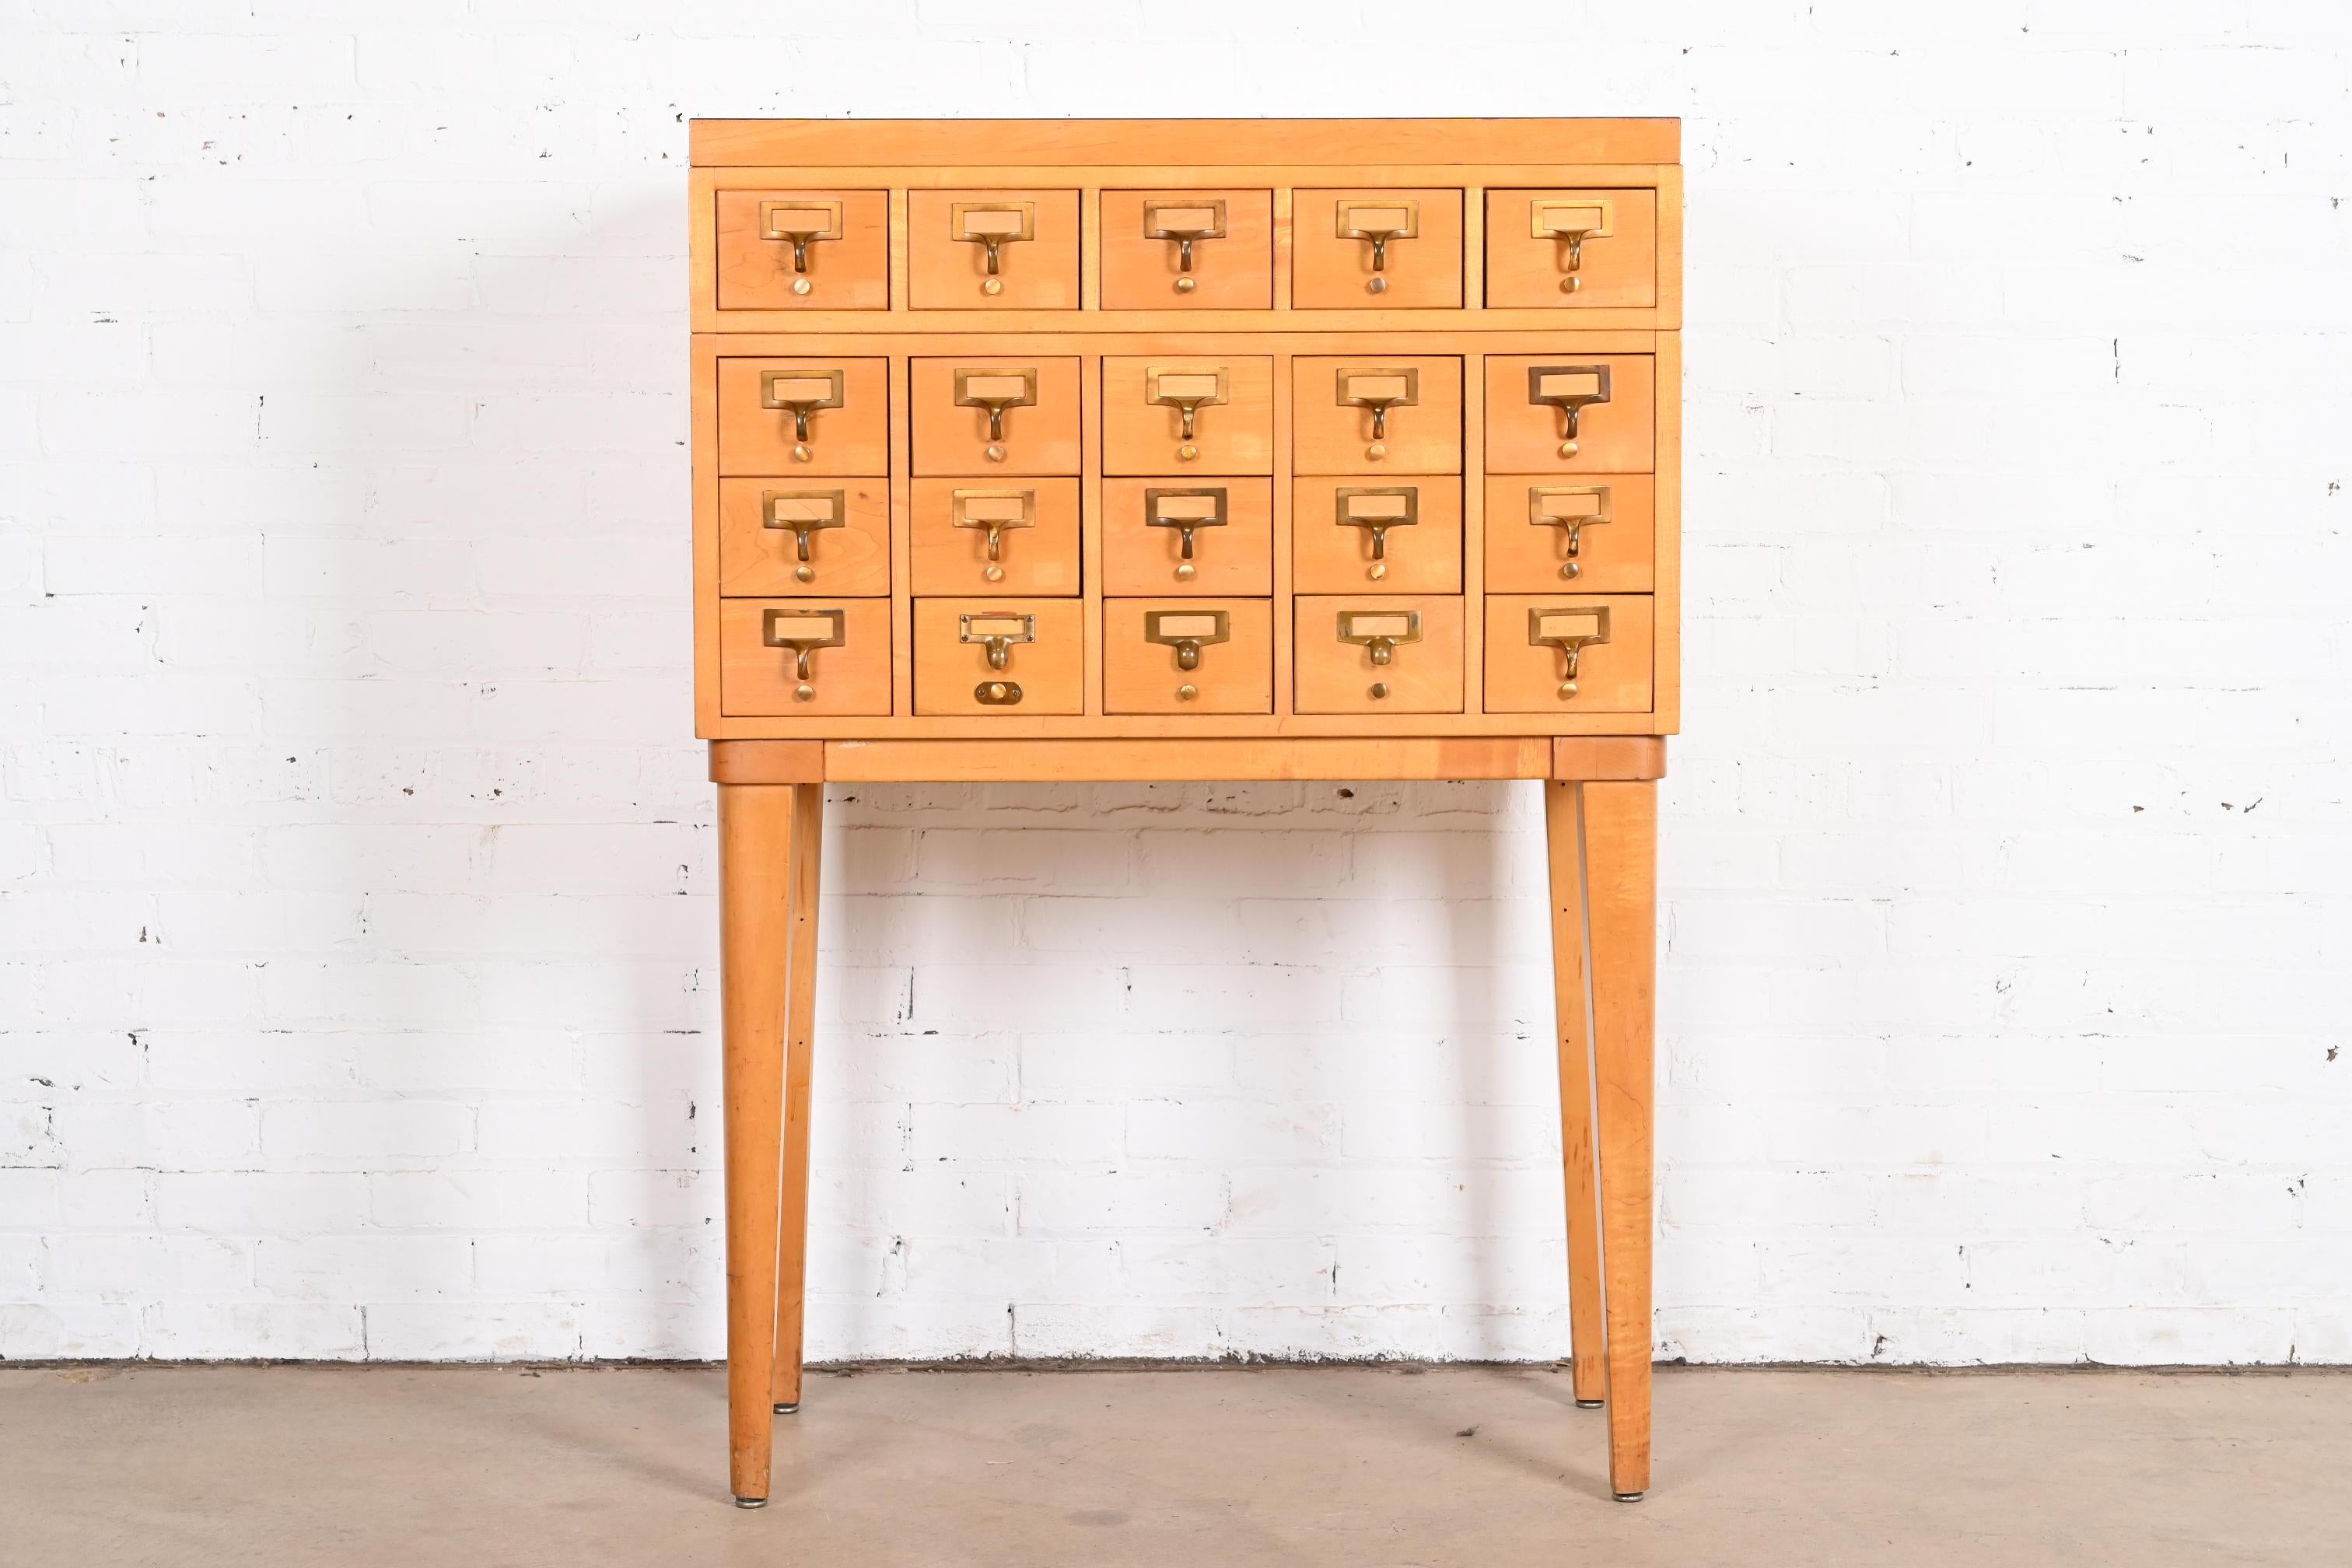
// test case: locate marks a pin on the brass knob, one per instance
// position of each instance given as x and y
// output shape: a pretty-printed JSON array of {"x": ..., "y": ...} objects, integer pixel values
[
  {"x": 804, "y": 573},
  {"x": 801, "y": 453},
  {"x": 1186, "y": 692},
  {"x": 995, "y": 453},
  {"x": 1377, "y": 450},
  {"x": 991, "y": 285},
  {"x": 800, "y": 286},
  {"x": 1186, "y": 572},
  {"x": 1187, "y": 452},
  {"x": 1570, "y": 284},
  {"x": 803, "y": 693},
  {"x": 1380, "y": 689},
  {"x": 993, "y": 574},
  {"x": 1378, "y": 569},
  {"x": 1378, "y": 286},
  {"x": 1186, "y": 284}
]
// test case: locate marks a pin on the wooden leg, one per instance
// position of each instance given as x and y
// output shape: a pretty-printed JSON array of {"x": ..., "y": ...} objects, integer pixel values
[
  {"x": 1563, "y": 833},
  {"x": 1621, "y": 840},
  {"x": 800, "y": 1027},
  {"x": 755, "y": 846}
]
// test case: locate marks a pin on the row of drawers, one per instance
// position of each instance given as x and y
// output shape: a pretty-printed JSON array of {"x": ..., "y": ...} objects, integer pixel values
[
  {"x": 974, "y": 658},
  {"x": 1212, "y": 415},
  {"x": 1179, "y": 249},
  {"x": 1172, "y": 535}
]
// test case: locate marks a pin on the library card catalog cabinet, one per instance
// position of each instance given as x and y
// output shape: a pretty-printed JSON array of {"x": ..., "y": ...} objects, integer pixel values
[{"x": 1342, "y": 449}]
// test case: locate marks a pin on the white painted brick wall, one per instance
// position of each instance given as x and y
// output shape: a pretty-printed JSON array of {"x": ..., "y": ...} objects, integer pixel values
[{"x": 355, "y": 925}]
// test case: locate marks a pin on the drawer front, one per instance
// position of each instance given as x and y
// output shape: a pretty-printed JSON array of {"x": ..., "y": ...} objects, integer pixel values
[
  {"x": 1230, "y": 525},
  {"x": 804, "y": 416},
  {"x": 785, "y": 537},
  {"x": 1009, "y": 415},
  {"x": 1571, "y": 413},
  {"x": 1588, "y": 248},
  {"x": 801, "y": 659},
  {"x": 1187, "y": 656},
  {"x": 990, "y": 534},
  {"x": 1376, "y": 534},
  {"x": 1376, "y": 250},
  {"x": 993, "y": 250},
  {"x": 1545, "y": 653},
  {"x": 1343, "y": 666},
  {"x": 1040, "y": 650},
  {"x": 1377, "y": 413},
  {"x": 1148, "y": 265},
  {"x": 1595, "y": 533},
  {"x": 1200, "y": 414},
  {"x": 803, "y": 251}
]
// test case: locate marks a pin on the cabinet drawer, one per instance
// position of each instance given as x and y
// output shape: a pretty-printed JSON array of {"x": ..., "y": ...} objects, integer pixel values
[
  {"x": 1201, "y": 413},
  {"x": 976, "y": 657},
  {"x": 1595, "y": 533},
  {"x": 1033, "y": 523},
  {"x": 1571, "y": 413},
  {"x": 1376, "y": 250},
  {"x": 1376, "y": 534},
  {"x": 1368, "y": 654},
  {"x": 993, "y": 250},
  {"x": 1230, "y": 530},
  {"x": 1007, "y": 415},
  {"x": 1144, "y": 236},
  {"x": 1187, "y": 656},
  {"x": 787, "y": 537},
  {"x": 799, "y": 658},
  {"x": 804, "y": 416},
  {"x": 803, "y": 251},
  {"x": 1588, "y": 248},
  {"x": 1394, "y": 414},
  {"x": 1569, "y": 653}
]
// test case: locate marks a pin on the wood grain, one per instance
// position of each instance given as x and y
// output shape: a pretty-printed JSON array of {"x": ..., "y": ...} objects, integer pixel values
[
  {"x": 1335, "y": 677},
  {"x": 1329, "y": 437},
  {"x": 1526, "y": 270},
  {"x": 849, "y": 561},
  {"x": 1330, "y": 557},
  {"x": 1232, "y": 676},
  {"x": 1610, "y": 677},
  {"x": 952, "y": 439},
  {"x": 1232, "y": 272},
  {"x": 1050, "y": 671},
  {"x": 853, "y": 439},
  {"x": 1571, "y": 997},
  {"x": 1036, "y": 274},
  {"x": 1049, "y": 142},
  {"x": 850, "y": 273},
  {"x": 1331, "y": 273},
  {"x": 1040, "y": 559},
  {"x": 1236, "y": 437},
  {"x": 800, "y": 1050}
]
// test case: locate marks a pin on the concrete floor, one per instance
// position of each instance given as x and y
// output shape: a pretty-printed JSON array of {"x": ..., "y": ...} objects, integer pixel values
[{"x": 1218, "y": 1467}]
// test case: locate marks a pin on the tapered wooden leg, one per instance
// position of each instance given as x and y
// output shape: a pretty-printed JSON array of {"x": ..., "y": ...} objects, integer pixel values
[
  {"x": 755, "y": 850},
  {"x": 800, "y": 1027},
  {"x": 1621, "y": 842},
  {"x": 1563, "y": 833}
]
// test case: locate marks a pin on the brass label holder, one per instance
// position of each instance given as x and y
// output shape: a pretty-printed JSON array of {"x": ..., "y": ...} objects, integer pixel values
[
  {"x": 1571, "y": 509},
  {"x": 804, "y": 513},
  {"x": 1187, "y": 391},
  {"x": 1187, "y": 222},
  {"x": 1188, "y": 632},
  {"x": 1185, "y": 510},
  {"x": 1571, "y": 628},
  {"x": 801, "y": 223},
  {"x": 993, "y": 225},
  {"x": 999, "y": 633},
  {"x": 801, "y": 393},
  {"x": 803, "y": 632},
  {"x": 1381, "y": 223},
  {"x": 1380, "y": 633},
  {"x": 1378, "y": 388},
  {"x": 1376, "y": 509},
  {"x": 997, "y": 511},
  {"x": 1571, "y": 388},
  {"x": 996, "y": 388},
  {"x": 1569, "y": 223}
]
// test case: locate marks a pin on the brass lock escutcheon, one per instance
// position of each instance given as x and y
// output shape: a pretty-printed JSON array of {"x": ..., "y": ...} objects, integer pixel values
[
  {"x": 1381, "y": 223},
  {"x": 1187, "y": 391},
  {"x": 1188, "y": 632},
  {"x": 1571, "y": 628},
  {"x": 803, "y": 632},
  {"x": 804, "y": 513},
  {"x": 1378, "y": 388},
  {"x": 999, "y": 633},
  {"x": 993, "y": 225},
  {"x": 802, "y": 225},
  {"x": 1571, "y": 509},
  {"x": 1185, "y": 510},
  {"x": 801, "y": 393},
  {"x": 1376, "y": 509},
  {"x": 1187, "y": 222},
  {"x": 1380, "y": 632},
  {"x": 998, "y": 512},
  {"x": 996, "y": 389},
  {"x": 1569, "y": 223},
  {"x": 1568, "y": 388}
]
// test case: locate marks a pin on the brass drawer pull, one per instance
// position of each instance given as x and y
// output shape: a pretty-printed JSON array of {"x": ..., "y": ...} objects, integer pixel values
[
  {"x": 998, "y": 634},
  {"x": 801, "y": 393},
  {"x": 1569, "y": 224},
  {"x": 1187, "y": 222},
  {"x": 804, "y": 513},
  {"x": 802, "y": 223},
  {"x": 1571, "y": 629},
  {"x": 993, "y": 224},
  {"x": 1378, "y": 388},
  {"x": 1187, "y": 391},
  {"x": 1568, "y": 388},
  {"x": 1188, "y": 632},
  {"x": 1571, "y": 509},
  {"x": 997, "y": 511},
  {"x": 996, "y": 389},
  {"x": 1376, "y": 509},
  {"x": 1379, "y": 222},
  {"x": 803, "y": 632},
  {"x": 1185, "y": 510}
]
